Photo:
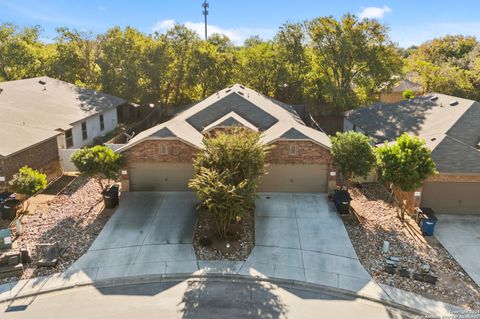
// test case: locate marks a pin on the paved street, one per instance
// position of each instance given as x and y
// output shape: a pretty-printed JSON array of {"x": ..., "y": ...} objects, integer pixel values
[
  {"x": 205, "y": 298},
  {"x": 460, "y": 235}
]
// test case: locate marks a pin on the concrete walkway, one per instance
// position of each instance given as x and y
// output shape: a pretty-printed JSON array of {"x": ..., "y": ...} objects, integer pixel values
[
  {"x": 460, "y": 235},
  {"x": 299, "y": 239}
]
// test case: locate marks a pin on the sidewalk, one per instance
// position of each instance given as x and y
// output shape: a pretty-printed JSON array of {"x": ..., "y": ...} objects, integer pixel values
[{"x": 228, "y": 270}]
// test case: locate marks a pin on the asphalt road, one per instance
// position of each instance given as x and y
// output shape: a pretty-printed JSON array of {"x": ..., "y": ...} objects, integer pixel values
[{"x": 195, "y": 298}]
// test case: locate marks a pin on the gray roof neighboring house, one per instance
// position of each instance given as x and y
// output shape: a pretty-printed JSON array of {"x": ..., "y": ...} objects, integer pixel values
[
  {"x": 238, "y": 105},
  {"x": 35, "y": 109},
  {"x": 452, "y": 132}
]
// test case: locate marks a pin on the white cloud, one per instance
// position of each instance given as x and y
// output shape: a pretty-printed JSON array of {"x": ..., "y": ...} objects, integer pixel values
[
  {"x": 102, "y": 8},
  {"x": 374, "y": 12},
  {"x": 237, "y": 35}
]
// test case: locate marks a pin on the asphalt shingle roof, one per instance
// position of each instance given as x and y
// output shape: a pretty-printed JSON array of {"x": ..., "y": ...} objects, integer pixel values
[
  {"x": 452, "y": 132},
  {"x": 274, "y": 119},
  {"x": 31, "y": 110}
]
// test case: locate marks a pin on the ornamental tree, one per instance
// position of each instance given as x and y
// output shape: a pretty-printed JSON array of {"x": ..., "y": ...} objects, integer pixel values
[
  {"x": 98, "y": 162},
  {"x": 353, "y": 154},
  {"x": 408, "y": 94},
  {"x": 405, "y": 163},
  {"x": 228, "y": 172}
]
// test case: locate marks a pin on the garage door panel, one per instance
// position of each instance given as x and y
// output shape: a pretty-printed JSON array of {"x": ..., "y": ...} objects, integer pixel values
[
  {"x": 295, "y": 178},
  {"x": 160, "y": 177},
  {"x": 451, "y": 197}
]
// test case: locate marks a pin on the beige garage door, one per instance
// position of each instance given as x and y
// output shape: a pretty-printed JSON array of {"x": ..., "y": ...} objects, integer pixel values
[
  {"x": 160, "y": 177},
  {"x": 452, "y": 198},
  {"x": 295, "y": 179}
]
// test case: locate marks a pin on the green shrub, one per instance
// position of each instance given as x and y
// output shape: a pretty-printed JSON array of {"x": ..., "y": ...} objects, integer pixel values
[
  {"x": 408, "y": 94},
  {"x": 28, "y": 181},
  {"x": 405, "y": 163},
  {"x": 98, "y": 162},
  {"x": 228, "y": 171},
  {"x": 353, "y": 154}
]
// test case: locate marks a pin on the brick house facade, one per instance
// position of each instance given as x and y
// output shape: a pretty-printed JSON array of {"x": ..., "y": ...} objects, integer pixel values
[{"x": 43, "y": 157}]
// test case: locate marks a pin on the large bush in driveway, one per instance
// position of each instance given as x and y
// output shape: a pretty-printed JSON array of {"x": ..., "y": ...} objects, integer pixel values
[
  {"x": 228, "y": 172},
  {"x": 98, "y": 162}
]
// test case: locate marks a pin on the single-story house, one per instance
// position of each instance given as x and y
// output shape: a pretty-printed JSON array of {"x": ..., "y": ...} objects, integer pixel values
[
  {"x": 451, "y": 129},
  {"x": 39, "y": 116},
  {"x": 161, "y": 157}
]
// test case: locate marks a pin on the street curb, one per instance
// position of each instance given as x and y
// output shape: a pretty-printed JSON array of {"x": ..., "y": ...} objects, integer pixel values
[{"x": 146, "y": 279}]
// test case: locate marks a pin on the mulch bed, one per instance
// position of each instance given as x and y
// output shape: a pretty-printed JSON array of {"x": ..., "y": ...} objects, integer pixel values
[
  {"x": 209, "y": 245},
  {"x": 73, "y": 219},
  {"x": 376, "y": 221}
]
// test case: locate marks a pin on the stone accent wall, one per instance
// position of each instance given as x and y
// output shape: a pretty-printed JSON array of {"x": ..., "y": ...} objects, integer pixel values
[
  {"x": 307, "y": 153},
  {"x": 42, "y": 157},
  {"x": 149, "y": 151}
]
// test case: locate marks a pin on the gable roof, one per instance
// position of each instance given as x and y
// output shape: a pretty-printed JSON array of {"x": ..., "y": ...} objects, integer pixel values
[
  {"x": 450, "y": 131},
  {"x": 230, "y": 119},
  {"x": 44, "y": 105},
  {"x": 236, "y": 103}
]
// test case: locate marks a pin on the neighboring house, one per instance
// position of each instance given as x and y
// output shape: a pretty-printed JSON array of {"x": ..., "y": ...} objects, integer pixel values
[
  {"x": 161, "y": 158},
  {"x": 39, "y": 116},
  {"x": 395, "y": 94},
  {"x": 451, "y": 129}
]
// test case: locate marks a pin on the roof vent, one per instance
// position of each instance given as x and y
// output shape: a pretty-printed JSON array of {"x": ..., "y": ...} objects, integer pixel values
[
  {"x": 240, "y": 92},
  {"x": 434, "y": 98},
  {"x": 433, "y": 139},
  {"x": 242, "y": 87},
  {"x": 227, "y": 91},
  {"x": 453, "y": 103},
  {"x": 42, "y": 82},
  {"x": 1, "y": 90}
]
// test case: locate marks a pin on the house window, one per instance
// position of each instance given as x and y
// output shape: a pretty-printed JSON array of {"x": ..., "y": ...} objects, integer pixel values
[
  {"x": 84, "y": 131},
  {"x": 69, "y": 138},
  {"x": 293, "y": 149},
  {"x": 163, "y": 149},
  {"x": 102, "y": 123}
]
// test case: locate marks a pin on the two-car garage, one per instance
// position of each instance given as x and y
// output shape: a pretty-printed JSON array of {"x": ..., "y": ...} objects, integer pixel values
[{"x": 280, "y": 178}]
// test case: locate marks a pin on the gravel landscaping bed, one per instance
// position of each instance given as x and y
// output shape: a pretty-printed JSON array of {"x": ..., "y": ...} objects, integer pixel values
[
  {"x": 376, "y": 221},
  {"x": 209, "y": 246},
  {"x": 72, "y": 218}
]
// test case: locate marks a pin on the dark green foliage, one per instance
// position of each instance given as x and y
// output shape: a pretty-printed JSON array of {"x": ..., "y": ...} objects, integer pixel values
[
  {"x": 405, "y": 163},
  {"x": 98, "y": 162},
  {"x": 353, "y": 154},
  {"x": 228, "y": 171}
]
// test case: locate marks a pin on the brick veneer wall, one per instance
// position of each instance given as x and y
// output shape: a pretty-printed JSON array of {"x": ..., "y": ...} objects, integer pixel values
[
  {"x": 459, "y": 178},
  {"x": 42, "y": 157},
  {"x": 149, "y": 152},
  {"x": 307, "y": 153}
]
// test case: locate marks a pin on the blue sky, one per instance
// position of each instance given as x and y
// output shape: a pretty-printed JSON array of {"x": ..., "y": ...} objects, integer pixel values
[{"x": 410, "y": 22}]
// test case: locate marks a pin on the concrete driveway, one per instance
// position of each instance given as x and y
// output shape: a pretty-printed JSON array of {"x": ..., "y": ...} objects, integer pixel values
[
  {"x": 301, "y": 237},
  {"x": 460, "y": 235},
  {"x": 150, "y": 233}
]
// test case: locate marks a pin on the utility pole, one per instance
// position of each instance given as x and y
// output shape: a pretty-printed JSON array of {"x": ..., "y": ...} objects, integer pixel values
[{"x": 205, "y": 13}]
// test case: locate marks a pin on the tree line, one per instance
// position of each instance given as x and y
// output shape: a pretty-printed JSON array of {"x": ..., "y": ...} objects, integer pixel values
[{"x": 332, "y": 64}]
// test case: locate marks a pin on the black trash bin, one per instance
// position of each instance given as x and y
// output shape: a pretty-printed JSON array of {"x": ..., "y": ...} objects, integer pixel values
[
  {"x": 9, "y": 208},
  {"x": 110, "y": 196},
  {"x": 4, "y": 196},
  {"x": 342, "y": 199}
]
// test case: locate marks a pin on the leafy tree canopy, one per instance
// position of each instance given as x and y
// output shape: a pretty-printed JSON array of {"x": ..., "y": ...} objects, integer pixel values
[
  {"x": 353, "y": 154},
  {"x": 405, "y": 163},
  {"x": 98, "y": 162}
]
